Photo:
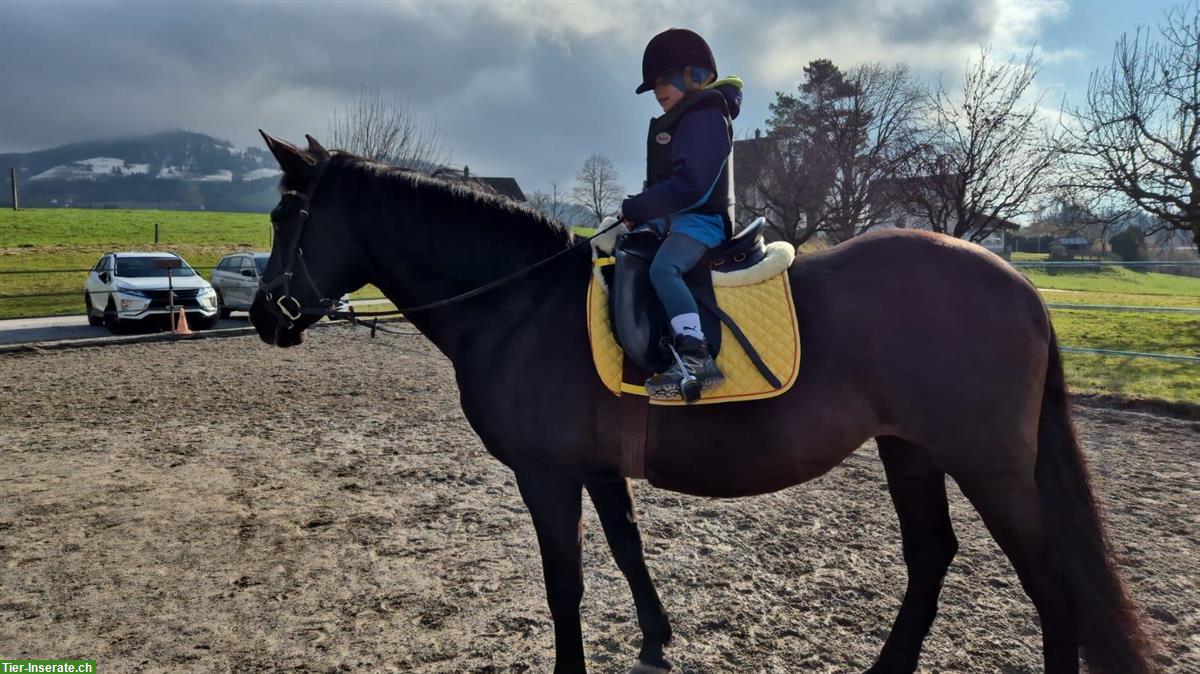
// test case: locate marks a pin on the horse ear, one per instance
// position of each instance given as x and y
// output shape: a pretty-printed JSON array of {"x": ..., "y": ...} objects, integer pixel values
[
  {"x": 315, "y": 149},
  {"x": 291, "y": 159}
]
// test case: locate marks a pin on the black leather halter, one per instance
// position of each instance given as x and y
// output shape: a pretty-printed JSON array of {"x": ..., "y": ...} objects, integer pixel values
[{"x": 288, "y": 308}]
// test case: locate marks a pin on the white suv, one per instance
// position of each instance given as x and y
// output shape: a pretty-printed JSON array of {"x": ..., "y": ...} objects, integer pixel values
[{"x": 128, "y": 287}]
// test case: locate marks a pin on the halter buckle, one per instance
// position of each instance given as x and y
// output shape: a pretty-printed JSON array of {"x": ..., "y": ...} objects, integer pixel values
[{"x": 293, "y": 315}]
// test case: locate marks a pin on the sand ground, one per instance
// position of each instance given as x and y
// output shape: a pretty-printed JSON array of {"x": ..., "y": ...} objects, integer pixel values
[{"x": 221, "y": 506}]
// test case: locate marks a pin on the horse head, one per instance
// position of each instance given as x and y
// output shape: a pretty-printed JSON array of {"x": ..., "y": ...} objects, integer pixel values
[{"x": 313, "y": 260}]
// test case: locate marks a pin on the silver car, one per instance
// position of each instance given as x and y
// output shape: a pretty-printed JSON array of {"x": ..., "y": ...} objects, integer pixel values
[{"x": 235, "y": 278}]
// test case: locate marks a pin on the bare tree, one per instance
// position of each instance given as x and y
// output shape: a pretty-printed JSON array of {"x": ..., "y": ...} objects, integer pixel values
[
  {"x": 597, "y": 188},
  {"x": 789, "y": 173},
  {"x": 1139, "y": 133},
  {"x": 873, "y": 134},
  {"x": 386, "y": 129},
  {"x": 828, "y": 151},
  {"x": 985, "y": 157},
  {"x": 774, "y": 181},
  {"x": 551, "y": 203}
]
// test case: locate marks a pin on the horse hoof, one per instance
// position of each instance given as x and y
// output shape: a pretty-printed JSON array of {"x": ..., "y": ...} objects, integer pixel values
[{"x": 640, "y": 667}]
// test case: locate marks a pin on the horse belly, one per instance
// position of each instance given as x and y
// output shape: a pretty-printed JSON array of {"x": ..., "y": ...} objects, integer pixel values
[{"x": 735, "y": 464}]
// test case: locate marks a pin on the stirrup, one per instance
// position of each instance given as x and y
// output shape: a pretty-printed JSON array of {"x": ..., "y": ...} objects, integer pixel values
[{"x": 688, "y": 386}]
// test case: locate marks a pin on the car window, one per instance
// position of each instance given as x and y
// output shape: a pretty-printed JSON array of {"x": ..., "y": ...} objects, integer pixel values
[
  {"x": 225, "y": 264},
  {"x": 144, "y": 267},
  {"x": 260, "y": 261},
  {"x": 100, "y": 264}
]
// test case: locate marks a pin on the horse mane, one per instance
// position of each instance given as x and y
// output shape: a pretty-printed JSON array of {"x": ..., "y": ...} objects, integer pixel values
[{"x": 530, "y": 226}]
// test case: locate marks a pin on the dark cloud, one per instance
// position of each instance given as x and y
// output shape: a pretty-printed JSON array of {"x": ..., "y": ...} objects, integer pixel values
[
  {"x": 521, "y": 89},
  {"x": 955, "y": 23}
]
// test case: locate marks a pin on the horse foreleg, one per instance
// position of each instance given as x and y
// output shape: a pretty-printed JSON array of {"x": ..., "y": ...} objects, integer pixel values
[
  {"x": 554, "y": 502},
  {"x": 614, "y": 503},
  {"x": 918, "y": 490}
]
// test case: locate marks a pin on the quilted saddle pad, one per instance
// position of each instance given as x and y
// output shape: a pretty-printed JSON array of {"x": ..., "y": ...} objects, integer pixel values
[{"x": 764, "y": 311}]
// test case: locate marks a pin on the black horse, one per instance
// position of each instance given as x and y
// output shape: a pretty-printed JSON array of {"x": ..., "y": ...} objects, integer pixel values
[{"x": 934, "y": 347}]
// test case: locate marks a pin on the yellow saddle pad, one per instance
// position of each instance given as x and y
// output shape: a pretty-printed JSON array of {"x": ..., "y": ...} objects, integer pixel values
[{"x": 764, "y": 311}]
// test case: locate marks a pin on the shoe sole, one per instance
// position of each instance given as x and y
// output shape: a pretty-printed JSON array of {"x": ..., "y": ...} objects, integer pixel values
[{"x": 672, "y": 392}]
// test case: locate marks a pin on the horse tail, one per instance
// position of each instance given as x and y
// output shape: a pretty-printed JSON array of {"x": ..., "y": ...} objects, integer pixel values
[{"x": 1110, "y": 634}]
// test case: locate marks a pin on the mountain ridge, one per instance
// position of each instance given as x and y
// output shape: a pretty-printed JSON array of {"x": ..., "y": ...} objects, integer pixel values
[{"x": 174, "y": 169}]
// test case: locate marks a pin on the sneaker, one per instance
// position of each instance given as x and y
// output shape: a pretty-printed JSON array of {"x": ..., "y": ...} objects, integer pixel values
[{"x": 696, "y": 358}]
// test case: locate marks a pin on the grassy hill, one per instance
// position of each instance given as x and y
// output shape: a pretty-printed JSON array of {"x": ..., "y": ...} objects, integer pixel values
[{"x": 73, "y": 239}]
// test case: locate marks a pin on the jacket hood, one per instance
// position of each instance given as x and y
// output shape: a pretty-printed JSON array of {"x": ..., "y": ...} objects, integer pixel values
[{"x": 731, "y": 88}]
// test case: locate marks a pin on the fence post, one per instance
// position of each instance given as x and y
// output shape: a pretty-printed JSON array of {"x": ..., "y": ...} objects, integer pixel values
[
  {"x": 12, "y": 174},
  {"x": 156, "y": 233}
]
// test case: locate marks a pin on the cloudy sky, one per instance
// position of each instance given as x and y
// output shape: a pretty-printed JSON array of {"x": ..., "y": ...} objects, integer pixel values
[{"x": 518, "y": 88}]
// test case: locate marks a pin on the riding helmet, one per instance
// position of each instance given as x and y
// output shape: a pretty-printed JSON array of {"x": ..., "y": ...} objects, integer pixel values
[{"x": 674, "y": 48}]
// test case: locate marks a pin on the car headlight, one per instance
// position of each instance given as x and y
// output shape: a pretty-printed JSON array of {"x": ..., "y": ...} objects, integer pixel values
[
  {"x": 131, "y": 291},
  {"x": 205, "y": 291}
]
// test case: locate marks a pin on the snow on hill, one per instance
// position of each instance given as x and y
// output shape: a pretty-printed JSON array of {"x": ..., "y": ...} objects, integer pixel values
[
  {"x": 222, "y": 176},
  {"x": 171, "y": 169},
  {"x": 93, "y": 168},
  {"x": 261, "y": 174}
]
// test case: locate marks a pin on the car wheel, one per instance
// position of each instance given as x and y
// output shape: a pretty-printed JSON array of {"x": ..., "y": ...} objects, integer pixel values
[
  {"x": 222, "y": 310},
  {"x": 111, "y": 320},
  {"x": 93, "y": 320}
]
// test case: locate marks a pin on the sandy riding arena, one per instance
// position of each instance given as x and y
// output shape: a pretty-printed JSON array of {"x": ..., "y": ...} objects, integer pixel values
[{"x": 221, "y": 506}]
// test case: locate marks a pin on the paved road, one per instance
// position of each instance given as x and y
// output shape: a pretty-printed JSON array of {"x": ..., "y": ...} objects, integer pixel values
[{"x": 59, "y": 328}]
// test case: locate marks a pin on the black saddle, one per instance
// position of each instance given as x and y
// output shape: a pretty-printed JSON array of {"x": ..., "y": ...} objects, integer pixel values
[{"x": 639, "y": 321}]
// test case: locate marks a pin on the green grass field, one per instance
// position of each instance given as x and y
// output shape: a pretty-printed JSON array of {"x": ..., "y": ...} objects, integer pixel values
[
  {"x": 75, "y": 238},
  {"x": 1113, "y": 280}
]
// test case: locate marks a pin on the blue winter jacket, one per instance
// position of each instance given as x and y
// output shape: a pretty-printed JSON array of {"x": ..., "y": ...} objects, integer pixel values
[{"x": 699, "y": 150}]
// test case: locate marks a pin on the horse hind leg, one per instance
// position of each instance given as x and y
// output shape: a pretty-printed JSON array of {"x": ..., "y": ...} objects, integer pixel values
[
  {"x": 918, "y": 491},
  {"x": 1011, "y": 508},
  {"x": 614, "y": 504}
]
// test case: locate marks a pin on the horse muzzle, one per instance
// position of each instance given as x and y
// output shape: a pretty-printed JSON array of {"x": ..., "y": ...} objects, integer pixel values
[{"x": 276, "y": 322}]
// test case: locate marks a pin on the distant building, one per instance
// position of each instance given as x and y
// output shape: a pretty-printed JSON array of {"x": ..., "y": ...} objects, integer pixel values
[
  {"x": 1074, "y": 243},
  {"x": 505, "y": 186}
]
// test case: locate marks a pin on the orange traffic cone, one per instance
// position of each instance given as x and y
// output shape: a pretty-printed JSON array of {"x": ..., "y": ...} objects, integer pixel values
[{"x": 181, "y": 326}]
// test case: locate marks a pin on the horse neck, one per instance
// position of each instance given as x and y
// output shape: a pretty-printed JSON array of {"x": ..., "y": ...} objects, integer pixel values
[{"x": 423, "y": 249}]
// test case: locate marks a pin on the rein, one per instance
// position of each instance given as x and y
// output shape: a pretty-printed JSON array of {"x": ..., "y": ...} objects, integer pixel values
[{"x": 288, "y": 308}]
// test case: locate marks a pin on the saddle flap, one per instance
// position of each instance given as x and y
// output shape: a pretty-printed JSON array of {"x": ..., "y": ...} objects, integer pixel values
[
  {"x": 637, "y": 316},
  {"x": 639, "y": 243}
]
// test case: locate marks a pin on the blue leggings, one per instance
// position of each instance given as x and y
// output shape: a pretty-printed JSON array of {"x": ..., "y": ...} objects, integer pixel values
[{"x": 676, "y": 257}]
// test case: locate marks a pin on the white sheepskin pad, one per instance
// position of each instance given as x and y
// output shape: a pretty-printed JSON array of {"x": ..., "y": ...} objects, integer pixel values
[
  {"x": 605, "y": 242},
  {"x": 780, "y": 255}
]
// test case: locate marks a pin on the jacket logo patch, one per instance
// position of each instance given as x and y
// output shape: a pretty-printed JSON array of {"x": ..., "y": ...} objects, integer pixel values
[{"x": 662, "y": 138}]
